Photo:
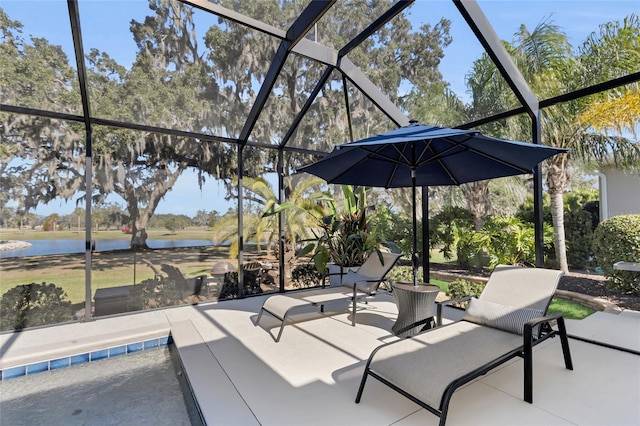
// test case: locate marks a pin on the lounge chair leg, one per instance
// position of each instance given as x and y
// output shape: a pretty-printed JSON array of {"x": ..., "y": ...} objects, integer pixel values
[
  {"x": 259, "y": 316},
  {"x": 353, "y": 316},
  {"x": 280, "y": 332},
  {"x": 528, "y": 365},
  {"x": 564, "y": 340},
  {"x": 362, "y": 383}
]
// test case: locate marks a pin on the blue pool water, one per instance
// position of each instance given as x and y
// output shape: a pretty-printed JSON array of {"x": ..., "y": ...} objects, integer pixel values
[{"x": 139, "y": 388}]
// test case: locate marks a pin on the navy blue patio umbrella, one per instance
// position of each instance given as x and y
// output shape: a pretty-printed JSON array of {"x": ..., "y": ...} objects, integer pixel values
[{"x": 421, "y": 155}]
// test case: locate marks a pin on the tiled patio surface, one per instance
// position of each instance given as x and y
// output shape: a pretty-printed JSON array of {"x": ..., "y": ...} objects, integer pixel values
[{"x": 241, "y": 376}]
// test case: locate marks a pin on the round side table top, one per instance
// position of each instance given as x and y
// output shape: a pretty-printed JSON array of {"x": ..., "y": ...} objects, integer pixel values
[{"x": 420, "y": 288}]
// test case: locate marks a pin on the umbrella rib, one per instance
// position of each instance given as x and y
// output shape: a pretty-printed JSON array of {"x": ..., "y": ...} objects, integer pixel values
[
  {"x": 500, "y": 160},
  {"x": 445, "y": 153}
]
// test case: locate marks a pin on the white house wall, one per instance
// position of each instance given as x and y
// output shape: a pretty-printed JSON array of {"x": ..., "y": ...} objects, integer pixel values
[{"x": 619, "y": 193}]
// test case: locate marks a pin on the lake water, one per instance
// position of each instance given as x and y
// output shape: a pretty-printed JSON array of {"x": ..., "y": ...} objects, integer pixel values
[{"x": 46, "y": 247}]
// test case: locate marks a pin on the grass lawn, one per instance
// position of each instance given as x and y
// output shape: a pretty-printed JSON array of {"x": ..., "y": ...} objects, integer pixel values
[
  {"x": 108, "y": 269},
  {"x": 569, "y": 309}
]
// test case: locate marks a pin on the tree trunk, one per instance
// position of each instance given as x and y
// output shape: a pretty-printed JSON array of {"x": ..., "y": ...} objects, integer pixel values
[
  {"x": 557, "y": 182},
  {"x": 139, "y": 238},
  {"x": 557, "y": 216}
]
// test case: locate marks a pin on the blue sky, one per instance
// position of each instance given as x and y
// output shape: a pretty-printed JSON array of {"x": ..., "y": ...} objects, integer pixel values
[{"x": 578, "y": 18}]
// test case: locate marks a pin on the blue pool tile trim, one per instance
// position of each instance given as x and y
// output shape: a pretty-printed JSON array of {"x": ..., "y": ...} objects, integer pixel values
[
  {"x": 117, "y": 351},
  {"x": 134, "y": 347},
  {"x": 37, "y": 367},
  {"x": 97, "y": 355},
  {"x": 54, "y": 364},
  {"x": 150, "y": 344},
  {"x": 79, "y": 359},
  {"x": 13, "y": 372}
]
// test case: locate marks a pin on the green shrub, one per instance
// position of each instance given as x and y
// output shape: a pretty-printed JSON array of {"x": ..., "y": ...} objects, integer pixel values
[
  {"x": 30, "y": 305},
  {"x": 618, "y": 239},
  {"x": 580, "y": 218},
  {"x": 463, "y": 288},
  {"x": 230, "y": 285},
  {"x": 402, "y": 274}
]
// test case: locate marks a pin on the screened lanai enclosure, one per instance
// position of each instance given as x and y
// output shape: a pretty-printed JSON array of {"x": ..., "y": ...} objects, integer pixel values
[{"x": 150, "y": 148}]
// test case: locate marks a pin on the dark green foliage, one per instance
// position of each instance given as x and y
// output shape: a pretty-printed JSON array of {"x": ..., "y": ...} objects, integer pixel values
[
  {"x": 581, "y": 216},
  {"x": 306, "y": 276},
  {"x": 391, "y": 226},
  {"x": 525, "y": 211},
  {"x": 153, "y": 293},
  {"x": 30, "y": 305},
  {"x": 230, "y": 285},
  {"x": 578, "y": 236},
  {"x": 579, "y": 219},
  {"x": 465, "y": 250},
  {"x": 618, "y": 239},
  {"x": 446, "y": 227}
]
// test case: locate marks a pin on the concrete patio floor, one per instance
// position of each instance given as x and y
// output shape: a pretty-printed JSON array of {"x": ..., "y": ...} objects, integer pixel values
[{"x": 241, "y": 376}]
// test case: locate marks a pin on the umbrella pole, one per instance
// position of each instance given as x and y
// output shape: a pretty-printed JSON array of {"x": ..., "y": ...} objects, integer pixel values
[
  {"x": 425, "y": 235},
  {"x": 415, "y": 259}
]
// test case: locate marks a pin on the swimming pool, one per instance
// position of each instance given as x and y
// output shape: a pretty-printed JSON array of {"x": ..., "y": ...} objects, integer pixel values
[{"x": 140, "y": 388}]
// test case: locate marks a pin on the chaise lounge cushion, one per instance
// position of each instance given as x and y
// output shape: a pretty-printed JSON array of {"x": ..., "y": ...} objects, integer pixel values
[
  {"x": 499, "y": 316},
  {"x": 424, "y": 365}
]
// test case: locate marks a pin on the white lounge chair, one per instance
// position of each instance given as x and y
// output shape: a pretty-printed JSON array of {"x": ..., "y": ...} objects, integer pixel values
[
  {"x": 361, "y": 283},
  {"x": 506, "y": 321}
]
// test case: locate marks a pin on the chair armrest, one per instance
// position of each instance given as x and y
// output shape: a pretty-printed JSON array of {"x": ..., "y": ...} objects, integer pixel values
[
  {"x": 531, "y": 324},
  {"x": 439, "y": 306}
]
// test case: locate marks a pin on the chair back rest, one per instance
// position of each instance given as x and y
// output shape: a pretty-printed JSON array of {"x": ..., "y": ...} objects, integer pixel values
[
  {"x": 372, "y": 267},
  {"x": 521, "y": 287},
  {"x": 173, "y": 273}
]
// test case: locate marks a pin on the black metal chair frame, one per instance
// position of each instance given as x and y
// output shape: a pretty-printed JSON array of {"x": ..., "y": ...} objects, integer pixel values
[{"x": 531, "y": 338}]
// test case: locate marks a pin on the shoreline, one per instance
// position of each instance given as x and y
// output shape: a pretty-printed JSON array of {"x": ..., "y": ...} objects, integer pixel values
[{"x": 8, "y": 245}]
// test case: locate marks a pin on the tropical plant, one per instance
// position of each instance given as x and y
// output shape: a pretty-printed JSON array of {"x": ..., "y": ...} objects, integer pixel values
[
  {"x": 508, "y": 241},
  {"x": 302, "y": 208},
  {"x": 344, "y": 237}
]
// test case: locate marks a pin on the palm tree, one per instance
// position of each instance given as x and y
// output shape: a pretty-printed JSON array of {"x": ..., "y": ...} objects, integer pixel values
[
  {"x": 546, "y": 60},
  {"x": 301, "y": 209}
]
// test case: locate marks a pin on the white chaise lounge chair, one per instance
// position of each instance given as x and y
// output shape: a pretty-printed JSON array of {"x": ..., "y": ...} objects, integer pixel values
[
  {"x": 361, "y": 283},
  {"x": 506, "y": 321}
]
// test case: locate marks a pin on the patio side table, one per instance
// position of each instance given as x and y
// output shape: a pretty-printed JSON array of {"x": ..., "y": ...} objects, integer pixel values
[
  {"x": 627, "y": 266},
  {"x": 416, "y": 306}
]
